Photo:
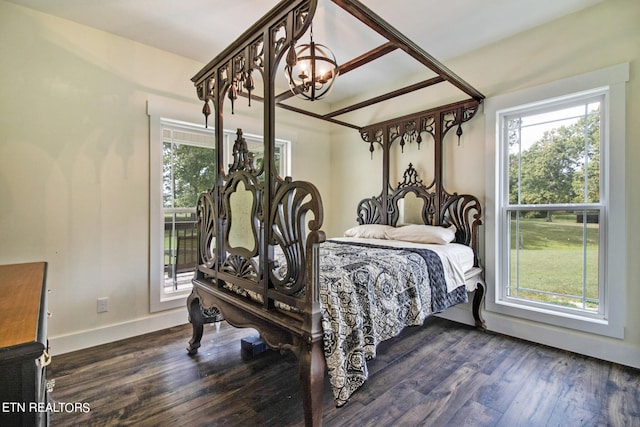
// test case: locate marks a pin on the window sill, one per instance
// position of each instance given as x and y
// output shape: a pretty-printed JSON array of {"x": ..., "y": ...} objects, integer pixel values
[{"x": 584, "y": 323}]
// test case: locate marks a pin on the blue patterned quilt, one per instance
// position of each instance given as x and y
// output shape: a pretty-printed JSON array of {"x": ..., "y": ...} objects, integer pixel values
[{"x": 369, "y": 294}]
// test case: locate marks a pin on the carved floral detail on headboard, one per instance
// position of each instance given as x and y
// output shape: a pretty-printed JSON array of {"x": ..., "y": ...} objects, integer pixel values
[
  {"x": 438, "y": 208},
  {"x": 410, "y": 177},
  {"x": 436, "y": 121},
  {"x": 372, "y": 137}
]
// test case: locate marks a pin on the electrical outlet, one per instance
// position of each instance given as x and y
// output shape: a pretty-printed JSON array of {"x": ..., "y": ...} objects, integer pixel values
[{"x": 103, "y": 304}]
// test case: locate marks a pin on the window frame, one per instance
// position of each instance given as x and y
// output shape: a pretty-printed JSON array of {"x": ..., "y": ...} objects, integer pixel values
[
  {"x": 610, "y": 81},
  {"x": 507, "y": 208},
  {"x": 159, "y": 299}
]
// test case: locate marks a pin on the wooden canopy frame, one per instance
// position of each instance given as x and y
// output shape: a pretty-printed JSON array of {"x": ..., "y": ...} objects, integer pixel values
[
  {"x": 261, "y": 43},
  {"x": 262, "y": 46},
  {"x": 281, "y": 208}
]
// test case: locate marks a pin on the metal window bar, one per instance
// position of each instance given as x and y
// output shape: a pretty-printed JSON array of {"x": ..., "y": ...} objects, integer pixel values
[
  {"x": 557, "y": 294},
  {"x": 181, "y": 245}
]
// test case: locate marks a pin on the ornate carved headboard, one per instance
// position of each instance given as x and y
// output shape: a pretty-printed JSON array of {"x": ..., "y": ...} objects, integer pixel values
[{"x": 439, "y": 207}]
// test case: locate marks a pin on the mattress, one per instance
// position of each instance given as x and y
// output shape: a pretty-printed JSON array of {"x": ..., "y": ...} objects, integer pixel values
[{"x": 456, "y": 258}]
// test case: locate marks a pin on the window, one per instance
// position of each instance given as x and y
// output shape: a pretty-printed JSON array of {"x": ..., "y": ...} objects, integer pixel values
[
  {"x": 559, "y": 173},
  {"x": 181, "y": 167},
  {"x": 551, "y": 208},
  {"x": 188, "y": 170}
]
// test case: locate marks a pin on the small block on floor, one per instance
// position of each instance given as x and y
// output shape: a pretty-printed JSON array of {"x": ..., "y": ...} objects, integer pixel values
[{"x": 253, "y": 345}]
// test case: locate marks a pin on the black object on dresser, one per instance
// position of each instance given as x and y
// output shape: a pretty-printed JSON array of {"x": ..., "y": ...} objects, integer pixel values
[{"x": 23, "y": 344}]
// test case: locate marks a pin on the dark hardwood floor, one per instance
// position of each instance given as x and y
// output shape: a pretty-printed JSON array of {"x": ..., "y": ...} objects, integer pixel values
[{"x": 441, "y": 374}]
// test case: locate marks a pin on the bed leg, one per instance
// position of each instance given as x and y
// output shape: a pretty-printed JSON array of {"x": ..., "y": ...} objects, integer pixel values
[
  {"x": 197, "y": 322},
  {"x": 312, "y": 367},
  {"x": 478, "y": 299}
]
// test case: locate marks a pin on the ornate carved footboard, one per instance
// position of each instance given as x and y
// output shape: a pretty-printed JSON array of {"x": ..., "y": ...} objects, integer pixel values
[{"x": 239, "y": 229}]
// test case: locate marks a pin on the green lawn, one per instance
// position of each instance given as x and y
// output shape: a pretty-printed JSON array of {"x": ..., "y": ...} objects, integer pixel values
[{"x": 551, "y": 258}]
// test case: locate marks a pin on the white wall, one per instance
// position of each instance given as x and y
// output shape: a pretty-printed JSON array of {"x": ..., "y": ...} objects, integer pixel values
[
  {"x": 598, "y": 37},
  {"x": 74, "y": 162}
]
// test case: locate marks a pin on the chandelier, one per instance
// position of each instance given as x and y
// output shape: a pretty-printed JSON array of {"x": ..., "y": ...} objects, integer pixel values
[{"x": 311, "y": 69}]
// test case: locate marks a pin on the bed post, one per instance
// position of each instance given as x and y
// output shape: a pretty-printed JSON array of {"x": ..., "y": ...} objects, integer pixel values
[
  {"x": 197, "y": 322},
  {"x": 311, "y": 369},
  {"x": 478, "y": 300},
  {"x": 311, "y": 361}
]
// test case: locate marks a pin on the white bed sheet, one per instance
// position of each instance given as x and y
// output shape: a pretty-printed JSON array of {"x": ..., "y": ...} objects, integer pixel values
[{"x": 456, "y": 258}]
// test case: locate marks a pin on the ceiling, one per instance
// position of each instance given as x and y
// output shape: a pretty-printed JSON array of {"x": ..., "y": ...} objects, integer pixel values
[{"x": 200, "y": 29}]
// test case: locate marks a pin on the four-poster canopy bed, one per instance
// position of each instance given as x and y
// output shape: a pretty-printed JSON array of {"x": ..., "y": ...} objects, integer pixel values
[{"x": 328, "y": 301}]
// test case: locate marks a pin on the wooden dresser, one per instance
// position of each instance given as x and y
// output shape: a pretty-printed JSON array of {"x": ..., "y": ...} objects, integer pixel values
[{"x": 23, "y": 344}]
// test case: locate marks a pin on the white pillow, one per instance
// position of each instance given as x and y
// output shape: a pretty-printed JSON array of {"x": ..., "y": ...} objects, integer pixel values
[
  {"x": 368, "y": 231},
  {"x": 422, "y": 234}
]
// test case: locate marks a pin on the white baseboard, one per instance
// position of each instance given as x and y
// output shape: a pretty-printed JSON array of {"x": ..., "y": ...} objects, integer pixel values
[
  {"x": 594, "y": 346},
  {"x": 609, "y": 349},
  {"x": 90, "y": 338}
]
